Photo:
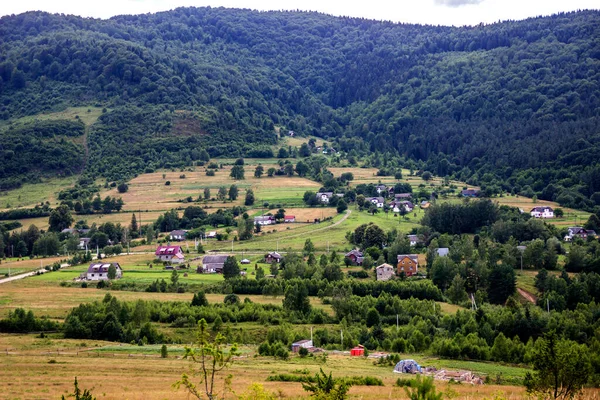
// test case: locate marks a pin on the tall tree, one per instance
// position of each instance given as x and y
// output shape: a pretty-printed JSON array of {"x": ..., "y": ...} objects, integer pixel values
[
  {"x": 237, "y": 172},
  {"x": 231, "y": 269},
  {"x": 60, "y": 218}
]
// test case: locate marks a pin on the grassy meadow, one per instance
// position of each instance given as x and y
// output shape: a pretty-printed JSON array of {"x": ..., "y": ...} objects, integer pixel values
[{"x": 45, "y": 367}]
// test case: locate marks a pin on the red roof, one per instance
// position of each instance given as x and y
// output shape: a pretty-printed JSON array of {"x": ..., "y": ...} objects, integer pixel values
[
  {"x": 290, "y": 217},
  {"x": 167, "y": 250}
]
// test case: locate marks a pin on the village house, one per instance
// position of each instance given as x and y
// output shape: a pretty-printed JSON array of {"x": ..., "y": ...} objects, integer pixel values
[
  {"x": 381, "y": 188},
  {"x": 172, "y": 254},
  {"x": 177, "y": 235},
  {"x": 289, "y": 219},
  {"x": 470, "y": 193},
  {"x": 414, "y": 240},
  {"x": 212, "y": 264},
  {"x": 424, "y": 204},
  {"x": 384, "y": 272},
  {"x": 99, "y": 271},
  {"x": 403, "y": 196},
  {"x": 377, "y": 201},
  {"x": 84, "y": 243},
  {"x": 542, "y": 212},
  {"x": 408, "y": 264},
  {"x": 578, "y": 232},
  {"x": 273, "y": 257},
  {"x": 355, "y": 256},
  {"x": 211, "y": 235},
  {"x": 397, "y": 206},
  {"x": 264, "y": 220},
  {"x": 324, "y": 197}
]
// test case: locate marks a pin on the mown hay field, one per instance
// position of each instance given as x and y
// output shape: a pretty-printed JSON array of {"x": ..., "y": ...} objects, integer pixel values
[{"x": 45, "y": 368}]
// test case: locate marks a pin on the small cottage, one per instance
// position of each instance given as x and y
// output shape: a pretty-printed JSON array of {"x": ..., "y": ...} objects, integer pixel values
[
  {"x": 355, "y": 256},
  {"x": 273, "y": 257},
  {"x": 306, "y": 343},
  {"x": 289, "y": 219}
]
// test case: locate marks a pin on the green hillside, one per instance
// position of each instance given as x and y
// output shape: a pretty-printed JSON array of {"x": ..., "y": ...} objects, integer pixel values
[{"x": 509, "y": 106}]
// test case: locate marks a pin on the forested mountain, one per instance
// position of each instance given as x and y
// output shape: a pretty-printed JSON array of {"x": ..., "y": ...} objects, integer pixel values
[{"x": 512, "y": 106}]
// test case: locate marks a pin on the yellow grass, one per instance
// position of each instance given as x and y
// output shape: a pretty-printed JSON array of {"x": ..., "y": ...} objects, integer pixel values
[
  {"x": 571, "y": 216},
  {"x": 27, "y": 373},
  {"x": 48, "y": 299},
  {"x": 149, "y": 192}
]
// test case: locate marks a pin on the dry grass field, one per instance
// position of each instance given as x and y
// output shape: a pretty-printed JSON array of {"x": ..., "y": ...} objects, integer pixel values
[
  {"x": 36, "y": 368},
  {"x": 571, "y": 217},
  {"x": 149, "y": 192},
  {"x": 48, "y": 299}
]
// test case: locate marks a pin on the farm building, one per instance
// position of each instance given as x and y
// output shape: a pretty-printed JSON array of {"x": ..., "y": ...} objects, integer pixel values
[
  {"x": 306, "y": 343},
  {"x": 212, "y": 264},
  {"x": 177, "y": 235},
  {"x": 289, "y": 218},
  {"x": 264, "y": 220},
  {"x": 99, "y": 271},
  {"x": 358, "y": 351},
  {"x": 273, "y": 257},
  {"x": 402, "y": 196},
  {"x": 173, "y": 254}
]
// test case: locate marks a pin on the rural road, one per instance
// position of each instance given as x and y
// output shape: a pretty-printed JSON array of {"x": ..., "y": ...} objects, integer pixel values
[
  {"x": 528, "y": 296},
  {"x": 21, "y": 276}
]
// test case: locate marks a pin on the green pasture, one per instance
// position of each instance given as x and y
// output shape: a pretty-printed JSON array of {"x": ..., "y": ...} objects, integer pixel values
[{"x": 31, "y": 194}]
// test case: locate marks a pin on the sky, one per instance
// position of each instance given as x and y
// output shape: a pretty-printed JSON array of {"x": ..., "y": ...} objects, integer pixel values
[{"x": 433, "y": 12}]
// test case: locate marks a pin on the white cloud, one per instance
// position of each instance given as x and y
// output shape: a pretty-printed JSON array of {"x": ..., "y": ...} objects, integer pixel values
[{"x": 456, "y": 3}]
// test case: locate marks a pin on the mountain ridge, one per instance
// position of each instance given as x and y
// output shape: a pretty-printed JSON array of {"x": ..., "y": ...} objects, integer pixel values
[{"x": 509, "y": 106}]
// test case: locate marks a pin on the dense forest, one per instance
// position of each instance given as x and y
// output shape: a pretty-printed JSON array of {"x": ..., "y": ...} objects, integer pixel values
[{"x": 512, "y": 106}]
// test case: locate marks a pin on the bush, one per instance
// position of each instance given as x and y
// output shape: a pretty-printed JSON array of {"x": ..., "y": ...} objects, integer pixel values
[{"x": 303, "y": 352}]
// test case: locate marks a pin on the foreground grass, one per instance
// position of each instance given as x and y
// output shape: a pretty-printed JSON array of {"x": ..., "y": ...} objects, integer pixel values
[{"x": 45, "y": 368}]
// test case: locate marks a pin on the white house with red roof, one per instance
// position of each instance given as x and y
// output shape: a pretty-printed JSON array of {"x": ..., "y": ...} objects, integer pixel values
[
  {"x": 289, "y": 218},
  {"x": 172, "y": 254}
]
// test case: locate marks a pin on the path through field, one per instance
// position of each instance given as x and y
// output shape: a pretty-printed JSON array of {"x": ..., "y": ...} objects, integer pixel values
[
  {"x": 21, "y": 276},
  {"x": 528, "y": 296}
]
